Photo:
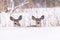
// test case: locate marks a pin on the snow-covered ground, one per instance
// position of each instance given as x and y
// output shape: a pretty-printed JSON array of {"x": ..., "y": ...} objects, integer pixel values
[
  {"x": 51, "y": 17},
  {"x": 43, "y": 33}
]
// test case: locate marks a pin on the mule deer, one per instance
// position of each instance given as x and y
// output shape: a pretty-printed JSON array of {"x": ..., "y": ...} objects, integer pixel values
[
  {"x": 16, "y": 21},
  {"x": 38, "y": 21}
]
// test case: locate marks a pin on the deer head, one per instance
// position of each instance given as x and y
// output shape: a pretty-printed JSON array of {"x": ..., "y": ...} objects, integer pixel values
[
  {"x": 16, "y": 21},
  {"x": 38, "y": 20}
]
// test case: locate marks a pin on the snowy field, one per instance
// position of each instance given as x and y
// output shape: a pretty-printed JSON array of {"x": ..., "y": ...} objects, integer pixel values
[
  {"x": 50, "y": 26},
  {"x": 46, "y": 33},
  {"x": 51, "y": 17}
]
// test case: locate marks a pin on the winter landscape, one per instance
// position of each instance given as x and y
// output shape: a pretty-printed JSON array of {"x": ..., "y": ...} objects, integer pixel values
[
  {"x": 30, "y": 13},
  {"x": 18, "y": 17}
]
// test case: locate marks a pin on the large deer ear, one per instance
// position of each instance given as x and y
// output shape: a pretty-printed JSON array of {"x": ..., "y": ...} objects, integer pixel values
[
  {"x": 33, "y": 18},
  {"x": 42, "y": 17},
  {"x": 11, "y": 18},
  {"x": 20, "y": 17}
]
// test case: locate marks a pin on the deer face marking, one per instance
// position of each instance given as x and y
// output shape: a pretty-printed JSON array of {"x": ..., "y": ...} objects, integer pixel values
[
  {"x": 38, "y": 20},
  {"x": 16, "y": 21}
]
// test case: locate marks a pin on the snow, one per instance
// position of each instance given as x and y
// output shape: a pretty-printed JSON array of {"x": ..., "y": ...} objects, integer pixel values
[
  {"x": 50, "y": 14},
  {"x": 43, "y": 33},
  {"x": 50, "y": 29}
]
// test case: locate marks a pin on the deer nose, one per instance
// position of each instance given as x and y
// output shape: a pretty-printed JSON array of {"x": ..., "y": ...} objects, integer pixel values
[
  {"x": 14, "y": 23},
  {"x": 38, "y": 22}
]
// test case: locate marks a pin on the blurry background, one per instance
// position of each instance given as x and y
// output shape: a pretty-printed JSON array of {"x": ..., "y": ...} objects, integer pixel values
[{"x": 5, "y": 4}]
